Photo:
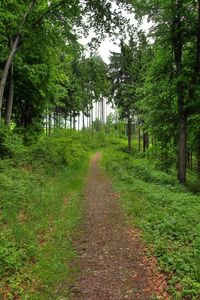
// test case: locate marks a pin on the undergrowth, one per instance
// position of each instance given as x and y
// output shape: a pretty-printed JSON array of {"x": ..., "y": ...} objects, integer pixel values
[{"x": 167, "y": 213}]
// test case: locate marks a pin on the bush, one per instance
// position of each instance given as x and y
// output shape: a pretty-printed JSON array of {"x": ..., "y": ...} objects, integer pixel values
[{"x": 11, "y": 145}]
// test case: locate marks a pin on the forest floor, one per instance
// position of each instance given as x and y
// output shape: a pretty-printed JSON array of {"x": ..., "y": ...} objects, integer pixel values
[{"x": 112, "y": 258}]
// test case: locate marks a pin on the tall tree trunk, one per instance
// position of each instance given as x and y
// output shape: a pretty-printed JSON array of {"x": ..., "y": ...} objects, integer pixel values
[
  {"x": 46, "y": 125},
  {"x": 92, "y": 124},
  {"x": 88, "y": 122},
  {"x": 177, "y": 43},
  {"x": 144, "y": 143},
  {"x": 129, "y": 130},
  {"x": 70, "y": 120},
  {"x": 139, "y": 138},
  {"x": 11, "y": 55},
  {"x": 50, "y": 123},
  {"x": 182, "y": 155},
  {"x": 6, "y": 70},
  {"x": 65, "y": 121},
  {"x": 79, "y": 122},
  {"x": 74, "y": 120},
  {"x": 102, "y": 107},
  {"x": 10, "y": 96},
  {"x": 83, "y": 120},
  {"x": 191, "y": 162},
  {"x": 198, "y": 166}
]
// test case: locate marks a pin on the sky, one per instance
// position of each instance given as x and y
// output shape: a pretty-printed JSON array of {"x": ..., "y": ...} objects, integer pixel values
[{"x": 108, "y": 45}]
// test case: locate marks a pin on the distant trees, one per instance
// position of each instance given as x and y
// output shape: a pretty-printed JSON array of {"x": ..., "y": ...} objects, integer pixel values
[{"x": 125, "y": 77}]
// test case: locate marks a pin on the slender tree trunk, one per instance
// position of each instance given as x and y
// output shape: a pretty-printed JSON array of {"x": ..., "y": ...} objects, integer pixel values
[
  {"x": 70, "y": 119},
  {"x": 129, "y": 130},
  {"x": 147, "y": 140},
  {"x": 144, "y": 143},
  {"x": 6, "y": 70},
  {"x": 182, "y": 155},
  {"x": 198, "y": 167},
  {"x": 11, "y": 55},
  {"x": 10, "y": 96},
  {"x": 50, "y": 123},
  {"x": 74, "y": 120},
  {"x": 79, "y": 122},
  {"x": 54, "y": 120},
  {"x": 191, "y": 162},
  {"x": 139, "y": 138},
  {"x": 65, "y": 121},
  {"x": 46, "y": 127},
  {"x": 102, "y": 107},
  {"x": 92, "y": 126},
  {"x": 88, "y": 122},
  {"x": 177, "y": 42},
  {"x": 83, "y": 120}
]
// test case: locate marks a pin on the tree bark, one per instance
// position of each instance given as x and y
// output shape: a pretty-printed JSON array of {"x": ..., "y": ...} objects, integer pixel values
[
  {"x": 139, "y": 138},
  {"x": 10, "y": 96},
  {"x": 103, "y": 120},
  {"x": 11, "y": 55},
  {"x": 83, "y": 120},
  {"x": 182, "y": 156},
  {"x": 177, "y": 43},
  {"x": 92, "y": 124},
  {"x": 74, "y": 120},
  {"x": 129, "y": 130},
  {"x": 50, "y": 123},
  {"x": 144, "y": 143},
  {"x": 70, "y": 119},
  {"x": 6, "y": 70}
]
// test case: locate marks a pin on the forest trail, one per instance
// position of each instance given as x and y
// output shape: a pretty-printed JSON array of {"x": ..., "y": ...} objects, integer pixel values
[{"x": 112, "y": 262}]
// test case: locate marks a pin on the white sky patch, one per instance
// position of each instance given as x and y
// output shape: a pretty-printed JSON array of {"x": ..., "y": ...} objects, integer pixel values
[{"x": 111, "y": 44}]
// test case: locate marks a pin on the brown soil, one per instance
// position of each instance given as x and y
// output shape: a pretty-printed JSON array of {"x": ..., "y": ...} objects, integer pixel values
[{"x": 113, "y": 264}]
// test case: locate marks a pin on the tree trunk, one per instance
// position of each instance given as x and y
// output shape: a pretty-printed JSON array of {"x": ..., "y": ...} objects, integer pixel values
[
  {"x": 92, "y": 124},
  {"x": 65, "y": 121},
  {"x": 79, "y": 122},
  {"x": 6, "y": 70},
  {"x": 10, "y": 96},
  {"x": 182, "y": 155},
  {"x": 103, "y": 120},
  {"x": 139, "y": 138},
  {"x": 129, "y": 131},
  {"x": 191, "y": 162},
  {"x": 198, "y": 164},
  {"x": 74, "y": 120},
  {"x": 12, "y": 54},
  {"x": 144, "y": 143},
  {"x": 49, "y": 123},
  {"x": 70, "y": 120},
  {"x": 177, "y": 43},
  {"x": 83, "y": 120},
  {"x": 46, "y": 125}
]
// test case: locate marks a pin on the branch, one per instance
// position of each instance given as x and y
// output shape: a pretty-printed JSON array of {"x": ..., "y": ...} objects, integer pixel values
[{"x": 48, "y": 12}]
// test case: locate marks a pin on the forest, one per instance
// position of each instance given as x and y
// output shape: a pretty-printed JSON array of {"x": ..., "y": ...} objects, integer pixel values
[{"x": 99, "y": 161}]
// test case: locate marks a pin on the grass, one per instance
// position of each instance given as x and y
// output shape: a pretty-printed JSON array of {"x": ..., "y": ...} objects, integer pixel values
[
  {"x": 40, "y": 210},
  {"x": 167, "y": 213}
]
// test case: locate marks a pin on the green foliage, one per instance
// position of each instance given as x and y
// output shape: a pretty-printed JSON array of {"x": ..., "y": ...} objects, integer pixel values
[
  {"x": 40, "y": 208},
  {"x": 167, "y": 214},
  {"x": 11, "y": 145}
]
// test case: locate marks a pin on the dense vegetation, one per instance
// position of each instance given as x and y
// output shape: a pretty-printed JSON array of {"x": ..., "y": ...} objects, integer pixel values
[{"x": 56, "y": 108}]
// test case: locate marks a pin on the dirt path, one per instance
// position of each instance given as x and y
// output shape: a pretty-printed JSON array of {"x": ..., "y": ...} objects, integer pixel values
[{"x": 112, "y": 257}]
